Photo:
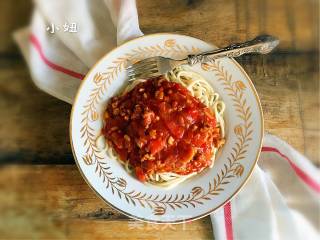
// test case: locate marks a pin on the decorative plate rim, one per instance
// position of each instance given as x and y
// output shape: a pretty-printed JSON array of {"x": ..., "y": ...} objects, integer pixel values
[{"x": 237, "y": 65}]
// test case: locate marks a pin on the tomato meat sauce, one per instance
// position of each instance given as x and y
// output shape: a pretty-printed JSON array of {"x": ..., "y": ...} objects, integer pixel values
[{"x": 159, "y": 126}]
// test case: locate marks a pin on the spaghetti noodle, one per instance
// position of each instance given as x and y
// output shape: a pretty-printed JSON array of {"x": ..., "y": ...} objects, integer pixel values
[{"x": 179, "y": 153}]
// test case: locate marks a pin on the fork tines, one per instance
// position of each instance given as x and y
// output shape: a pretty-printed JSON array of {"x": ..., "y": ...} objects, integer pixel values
[{"x": 145, "y": 68}]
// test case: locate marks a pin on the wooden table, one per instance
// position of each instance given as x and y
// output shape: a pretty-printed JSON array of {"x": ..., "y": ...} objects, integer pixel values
[{"x": 42, "y": 194}]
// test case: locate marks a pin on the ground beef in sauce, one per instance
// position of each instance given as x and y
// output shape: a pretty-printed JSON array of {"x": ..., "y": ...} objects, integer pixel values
[{"x": 159, "y": 126}]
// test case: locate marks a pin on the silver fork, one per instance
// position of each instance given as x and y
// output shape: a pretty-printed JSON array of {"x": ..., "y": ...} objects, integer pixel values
[{"x": 155, "y": 66}]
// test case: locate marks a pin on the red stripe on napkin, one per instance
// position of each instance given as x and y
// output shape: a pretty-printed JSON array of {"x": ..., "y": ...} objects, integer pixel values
[
  {"x": 36, "y": 43},
  {"x": 303, "y": 175},
  {"x": 228, "y": 221}
]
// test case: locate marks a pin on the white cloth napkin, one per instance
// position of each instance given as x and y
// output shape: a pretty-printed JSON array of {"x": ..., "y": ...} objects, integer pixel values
[
  {"x": 281, "y": 199},
  {"x": 59, "y": 60}
]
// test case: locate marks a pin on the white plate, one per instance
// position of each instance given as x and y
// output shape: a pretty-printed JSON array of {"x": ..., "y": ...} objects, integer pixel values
[{"x": 198, "y": 196}]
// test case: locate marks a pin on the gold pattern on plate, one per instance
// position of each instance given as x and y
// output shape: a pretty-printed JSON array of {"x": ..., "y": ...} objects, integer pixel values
[
  {"x": 238, "y": 129},
  {"x": 170, "y": 43},
  {"x": 238, "y": 170},
  {"x": 98, "y": 77},
  {"x": 87, "y": 159},
  {"x": 157, "y": 203},
  {"x": 94, "y": 116}
]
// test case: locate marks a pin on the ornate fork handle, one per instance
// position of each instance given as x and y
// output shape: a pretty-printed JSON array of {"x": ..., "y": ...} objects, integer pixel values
[{"x": 262, "y": 44}]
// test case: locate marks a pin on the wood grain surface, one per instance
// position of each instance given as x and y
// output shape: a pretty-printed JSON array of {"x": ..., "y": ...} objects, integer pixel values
[{"x": 42, "y": 194}]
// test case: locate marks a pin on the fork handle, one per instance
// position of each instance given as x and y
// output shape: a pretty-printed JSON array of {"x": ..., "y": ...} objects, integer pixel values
[{"x": 262, "y": 44}]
